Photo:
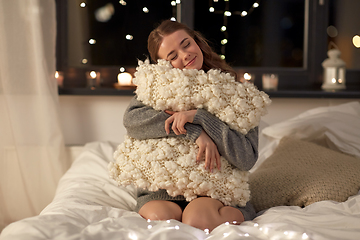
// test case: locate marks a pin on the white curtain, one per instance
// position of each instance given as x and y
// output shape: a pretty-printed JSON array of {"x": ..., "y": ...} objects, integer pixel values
[{"x": 32, "y": 152}]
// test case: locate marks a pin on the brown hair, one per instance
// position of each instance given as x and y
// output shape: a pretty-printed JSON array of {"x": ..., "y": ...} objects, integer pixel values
[{"x": 211, "y": 59}]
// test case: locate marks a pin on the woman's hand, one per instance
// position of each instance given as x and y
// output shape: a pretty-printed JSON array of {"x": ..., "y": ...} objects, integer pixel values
[
  {"x": 208, "y": 148},
  {"x": 178, "y": 120}
]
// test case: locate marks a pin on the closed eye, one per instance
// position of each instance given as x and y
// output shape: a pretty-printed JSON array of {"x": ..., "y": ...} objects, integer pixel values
[{"x": 173, "y": 58}]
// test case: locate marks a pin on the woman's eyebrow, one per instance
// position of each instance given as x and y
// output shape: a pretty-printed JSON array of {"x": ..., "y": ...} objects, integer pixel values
[{"x": 179, "y": 44}]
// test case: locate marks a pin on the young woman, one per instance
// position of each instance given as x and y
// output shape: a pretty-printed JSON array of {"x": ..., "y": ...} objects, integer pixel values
[{"x": 187, "y": 49}]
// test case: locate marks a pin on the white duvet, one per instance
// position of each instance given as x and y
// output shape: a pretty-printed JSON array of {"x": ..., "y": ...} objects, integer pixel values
[{"x": 88, "y": 205}]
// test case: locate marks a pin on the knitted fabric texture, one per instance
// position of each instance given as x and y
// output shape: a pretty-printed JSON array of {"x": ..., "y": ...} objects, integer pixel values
[
  {"x": 300, "y": 173},
  {"x": 170, "y": 163}
]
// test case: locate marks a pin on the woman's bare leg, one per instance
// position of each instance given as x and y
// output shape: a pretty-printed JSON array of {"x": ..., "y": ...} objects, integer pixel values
[
  {"x": 208, "y": 213},
  {"x": 161, "y": 210}
]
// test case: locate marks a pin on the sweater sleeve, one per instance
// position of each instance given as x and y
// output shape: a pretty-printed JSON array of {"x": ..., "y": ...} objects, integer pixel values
[
  {"x": 144, "y": 122},
  {"x": 238, "y": 149}
]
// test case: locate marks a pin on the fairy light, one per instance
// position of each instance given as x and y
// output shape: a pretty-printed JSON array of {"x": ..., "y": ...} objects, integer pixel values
[
  {"x": 83, "y": 4},
  {"x": 227, "y": 13},
  {"x": 129, "y": 37},
  {"x": 206, "y": 231},
  {"x": 122, "y": 69},
  {"x": 173, "y": 3},
  {"x": 356, "y": 41},
  {"x": 84, "y": 61},
  {"x": 122, "y": 2},
  {"x": 133, "y": 236},
  {"x": 304, "y": 236},
  {"x": 92, "y": 41},
  {"x": 145, "y": 10}
]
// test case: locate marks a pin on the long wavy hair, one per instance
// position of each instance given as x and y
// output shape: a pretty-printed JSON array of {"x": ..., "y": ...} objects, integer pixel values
[{"x": 211, "y": 59}]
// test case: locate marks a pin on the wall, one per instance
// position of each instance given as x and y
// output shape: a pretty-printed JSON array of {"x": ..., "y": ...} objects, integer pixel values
[{"x": 99, "y": 118}]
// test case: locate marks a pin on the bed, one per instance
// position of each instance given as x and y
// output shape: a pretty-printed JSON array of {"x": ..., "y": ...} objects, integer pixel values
[{"x": 89, "y": 205}]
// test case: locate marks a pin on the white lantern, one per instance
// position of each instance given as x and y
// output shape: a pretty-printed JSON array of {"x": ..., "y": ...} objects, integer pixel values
[{"x": 334, "y": 71}]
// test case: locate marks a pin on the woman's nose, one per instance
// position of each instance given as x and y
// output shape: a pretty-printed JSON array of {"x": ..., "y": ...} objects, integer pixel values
[{"x": 185, "y": 55}]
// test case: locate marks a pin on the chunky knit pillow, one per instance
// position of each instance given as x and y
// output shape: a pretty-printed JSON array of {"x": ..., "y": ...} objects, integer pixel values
[{"x": 300, "y": 173}]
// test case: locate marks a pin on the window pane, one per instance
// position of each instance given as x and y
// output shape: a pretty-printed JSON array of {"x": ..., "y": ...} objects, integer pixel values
[
  {"x": 112, "y": 32},
  {"x": 344, "y": 30},
  {"x": 270, "y": 35}
]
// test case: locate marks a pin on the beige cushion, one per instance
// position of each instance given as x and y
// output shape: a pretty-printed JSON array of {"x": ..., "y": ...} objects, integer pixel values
[{"x": 300, "y": 173}]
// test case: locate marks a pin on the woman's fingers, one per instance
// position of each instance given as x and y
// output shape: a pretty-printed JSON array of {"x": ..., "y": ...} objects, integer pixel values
[
  {"x": 178, "y": 121},
  {"x": 208, "y": 151},
  {"x": 167, "y": 124}
]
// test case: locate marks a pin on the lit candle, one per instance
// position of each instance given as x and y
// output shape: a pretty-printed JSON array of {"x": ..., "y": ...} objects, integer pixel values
[
  {"x": 93, "y": 79},
  {"x": 59, "y": 78},
  {"x": 125, "y": 79},
  {"x": 93, "y": 74},
  {"x": 247, "y": 77},
  {"x": 270, "y": 81}
]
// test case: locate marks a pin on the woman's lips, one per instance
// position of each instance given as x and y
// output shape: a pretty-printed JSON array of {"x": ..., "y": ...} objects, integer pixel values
[{"x": 190, "y": 62}]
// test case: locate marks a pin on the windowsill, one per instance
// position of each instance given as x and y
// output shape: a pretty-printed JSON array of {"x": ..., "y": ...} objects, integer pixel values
[{"x": 281, "y": 93}]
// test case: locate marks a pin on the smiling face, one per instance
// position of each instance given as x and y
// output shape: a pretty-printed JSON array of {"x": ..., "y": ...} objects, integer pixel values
[{"x": 181, "y": 50}]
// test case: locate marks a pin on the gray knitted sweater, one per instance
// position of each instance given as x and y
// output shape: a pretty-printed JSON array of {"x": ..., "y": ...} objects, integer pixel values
[{"x": 143, "y": 122}]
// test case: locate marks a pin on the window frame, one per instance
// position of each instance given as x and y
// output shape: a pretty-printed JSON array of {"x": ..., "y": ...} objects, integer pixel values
[{"x": 308, "y": 78}]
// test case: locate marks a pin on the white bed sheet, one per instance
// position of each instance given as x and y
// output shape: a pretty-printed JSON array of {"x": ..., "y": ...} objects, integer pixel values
[{"x": 88, "y": 205}]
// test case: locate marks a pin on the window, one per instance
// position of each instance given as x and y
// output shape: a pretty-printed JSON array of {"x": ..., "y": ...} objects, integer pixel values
[{"x": 286, "y": 37}]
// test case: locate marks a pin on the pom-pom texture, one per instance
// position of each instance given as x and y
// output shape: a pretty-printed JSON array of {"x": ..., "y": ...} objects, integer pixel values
[{"x": 170, "y": 163}]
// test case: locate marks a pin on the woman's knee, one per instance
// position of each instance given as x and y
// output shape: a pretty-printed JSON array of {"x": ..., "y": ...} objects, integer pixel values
[
  {"x": 202, "y": 213},
  {"x": 161, "y": 210},
  {"x": 208, "y": 213}
]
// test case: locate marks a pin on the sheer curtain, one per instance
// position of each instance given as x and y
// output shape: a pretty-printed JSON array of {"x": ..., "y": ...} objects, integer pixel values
[{"x": 32, "y": 152}]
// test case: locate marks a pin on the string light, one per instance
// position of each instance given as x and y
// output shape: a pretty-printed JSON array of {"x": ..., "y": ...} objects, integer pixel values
[
  {"x": 145, "y": 10},
  {"x": 227, "y": 14},
  {"x": 122, "y": 2},
  {"x": 304, "y": 236},
  {"x": 356, "y": 41},
  {"x": 83, "y": 4},
  {"x": 92, "y": 41},
  {"x": 129, "y": 37}
]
